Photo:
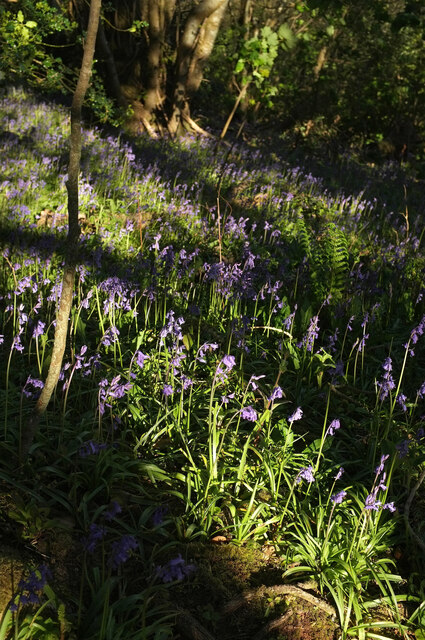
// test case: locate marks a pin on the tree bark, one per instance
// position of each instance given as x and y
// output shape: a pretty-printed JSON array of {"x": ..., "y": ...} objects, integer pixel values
[
  {"x": 195, "y": 47},
  {"x": 62, "y": 320},
  {"x": 112, "y": 81}
]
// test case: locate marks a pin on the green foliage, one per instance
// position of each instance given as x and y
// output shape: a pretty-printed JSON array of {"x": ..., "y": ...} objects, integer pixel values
[
  {"x": 24, "y": 31},
  {"x": 258, "y": 55}
]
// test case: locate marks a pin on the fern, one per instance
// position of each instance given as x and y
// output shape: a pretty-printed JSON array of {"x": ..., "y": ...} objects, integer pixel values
[
  {"x": 336, "y": 256},
  {"x": 328, "y": 257},
  {"x": 303, "y": 236}
]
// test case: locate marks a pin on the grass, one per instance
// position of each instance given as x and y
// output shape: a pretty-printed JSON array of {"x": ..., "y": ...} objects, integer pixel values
[{"x": 244, "y": 370}]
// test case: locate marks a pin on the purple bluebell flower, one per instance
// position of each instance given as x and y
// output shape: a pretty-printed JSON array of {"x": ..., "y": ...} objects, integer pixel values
[
  {"x": 38, "y": 329},
  {"x": 334, "y": 426},
  {"x": 248, "y": 413},
  {"x": 96, "y": 533},
  {"x": 297, "y": 415},
  {"x": 29, "y": 589},
  {"x": 287, "y": 323},
  {"x": 421, "y": 391},
  {"x": 311, "y": 335},
  {"x": 121, "y": 550},
  {"x": 401, "y": 400},
  {"x": 337, "y": 498},
  {"x": 172, "y": 328},
  {"x": 91, "y": 448},
  {"x": 226, "y": 399},
  {"x": 109, "y": 391},
  {"x": 371, "y": 502},
  {"x": 113, "y": 511},
  {"x": 253, "y": 381},
  {"x": 175, "y": 569},
  {"x": 390, "y": 506},
  {"x": 379, "y": 469},
  {"x": 341, "y": 471},
  {"x": 381, "y": 486},
  {"x": 140, "y": 359},
  {"x": 207, "y": 346},
  {"x": 362, "y": 342},
  {"x": 110, "y": 336},
  {"x": 167, "y": 390},
  {"x": 307, "y": 473},
  {"x": 158, "y": 515},
  {"x": 403, "y": 448},
  {"x": 275, "y": 394},
  {"x": 387, "y": 383},
  {"x": 32, "y": 387},
  {"x": 229, "y": 362}
]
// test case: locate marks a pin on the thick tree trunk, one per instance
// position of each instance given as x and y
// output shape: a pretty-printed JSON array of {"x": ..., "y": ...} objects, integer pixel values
[
  {"x": 194, "y": 49},
  {"x": 62, "y": 320}
]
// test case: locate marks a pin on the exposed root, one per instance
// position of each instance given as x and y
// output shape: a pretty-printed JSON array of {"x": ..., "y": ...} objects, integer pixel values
[
  {"x": 190, "y": 627},
  {"x": 280, "y": 589},
  {"x": 409, "y": 501}
]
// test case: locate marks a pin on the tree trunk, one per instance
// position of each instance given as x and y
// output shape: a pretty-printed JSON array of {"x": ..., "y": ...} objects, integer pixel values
[
  {"x": 195, "y": 47},
  {"x": 245, "y": 22},
  {"x": 112, "y": 81},
  {"x": 62, "y": 320}
]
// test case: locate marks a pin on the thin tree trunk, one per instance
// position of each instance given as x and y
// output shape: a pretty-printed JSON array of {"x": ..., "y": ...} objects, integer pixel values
[{"x": 62, "y": 320}]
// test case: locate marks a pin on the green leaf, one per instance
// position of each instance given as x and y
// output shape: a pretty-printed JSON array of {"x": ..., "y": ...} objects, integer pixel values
[
  {"x": 31, "y": 24},
  {"x": 286, "y": 36}
]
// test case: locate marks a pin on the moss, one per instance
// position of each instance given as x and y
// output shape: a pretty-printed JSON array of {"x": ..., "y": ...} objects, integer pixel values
[{"x": 12, "y": 566}]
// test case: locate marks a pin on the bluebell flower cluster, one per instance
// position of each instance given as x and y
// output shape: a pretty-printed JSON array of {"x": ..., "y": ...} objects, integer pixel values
[
  {"x": 121, "y": 550},
  {"x": 176, "y": 569},
  {"x": 248, "y": 413},
  {"x": 307, "y": 474},
  {"x": 387, "y": 383},
  {"x": 372, "y": 503},
  {"x": 31, "y": 588}
]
